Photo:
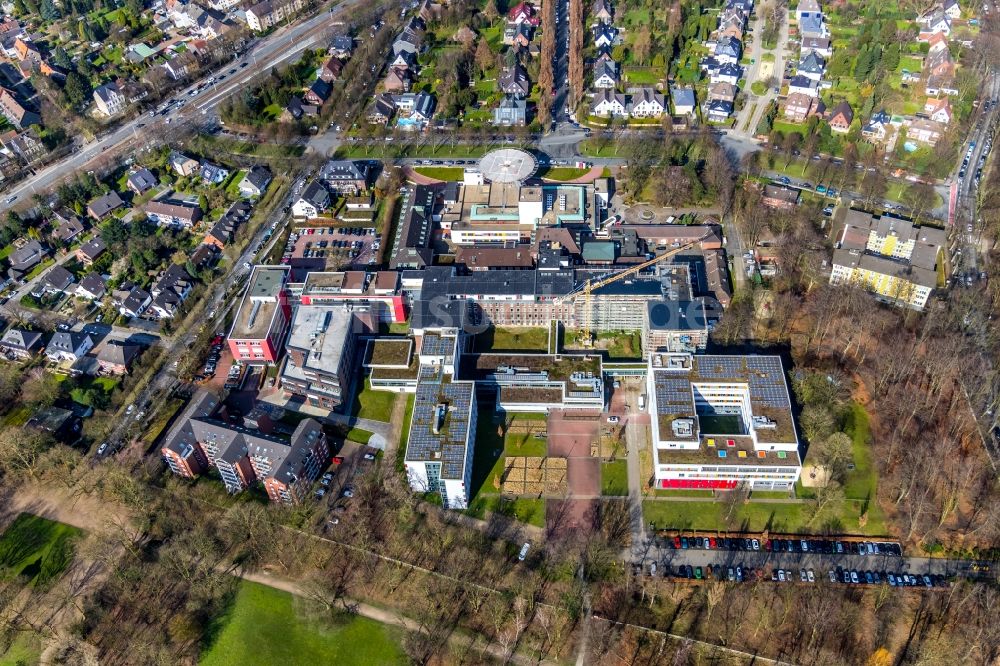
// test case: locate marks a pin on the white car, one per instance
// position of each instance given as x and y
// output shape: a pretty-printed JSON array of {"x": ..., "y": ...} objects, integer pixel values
[
  {"x": 524, "y": 552},
  {"x": 613, "y": 419}
]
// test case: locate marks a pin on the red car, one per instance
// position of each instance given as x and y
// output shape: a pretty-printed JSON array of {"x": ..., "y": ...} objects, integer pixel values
[
  {"x": 711, "y": 542},
  {"x": 767, "y": 544},
  {"x": 677, "y": 543}
]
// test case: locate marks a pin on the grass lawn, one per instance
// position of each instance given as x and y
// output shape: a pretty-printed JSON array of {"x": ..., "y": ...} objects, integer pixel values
[
  {"x": 863, "y": 479},
  {"x": 512, "y": 339},
  {"x": 491, "y": 447},
  {"x": 441, "y": 173},
  {"x": 757, "y": 516},
  {"x": 17, "y": 416},
  {"x": 262, "y": 627},
  {"x": 24, "y": 650},
  {"x": 7, "y": 249},
  {"x": 646, "y": 76},
  {"x": 683, "y": 493},
  {"x": 36, "y": 548},
  {"x": 37, "y": 270},
  {"x": 404, "y": 433},
  {"x": 374, "y": 405},
  {"x": 358, "y": 435},
  {"x": 621, "y": 345},
  {"x": 614, "y": 478},
  {"x": 786, "y": 127},
  {"x": 525, "y": 510},
  {"x": 563, "y": 173},
  {"x": 233, "y": 187},
  {"x": 163, "y": 417}
]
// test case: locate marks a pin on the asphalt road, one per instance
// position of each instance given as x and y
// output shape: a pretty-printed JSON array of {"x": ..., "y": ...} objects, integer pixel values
[{"x": 283, "y": 45}]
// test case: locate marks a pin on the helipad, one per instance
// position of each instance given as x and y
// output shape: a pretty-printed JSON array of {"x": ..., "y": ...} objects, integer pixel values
[{"x": 507, "y": 165}]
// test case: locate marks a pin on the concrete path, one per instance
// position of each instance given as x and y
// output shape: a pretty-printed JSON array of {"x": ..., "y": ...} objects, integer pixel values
[{"x": 376, "y": 427}]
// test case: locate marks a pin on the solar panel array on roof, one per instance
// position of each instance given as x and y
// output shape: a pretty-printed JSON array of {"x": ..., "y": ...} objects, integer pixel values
[
  {"x": 448, "y": 445},
  {"x": 432, "y": 344},
  {"x": 767, "y": 381},
  {"x": 721, "y": 367},
  {"x": 673, "y": 395}
]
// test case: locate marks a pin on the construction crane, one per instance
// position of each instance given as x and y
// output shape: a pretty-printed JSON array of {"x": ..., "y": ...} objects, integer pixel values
[{"x": 588, "y": 287}]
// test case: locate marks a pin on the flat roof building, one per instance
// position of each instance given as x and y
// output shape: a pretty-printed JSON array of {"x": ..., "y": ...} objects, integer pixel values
[
  {"x": 262, "y": 318},
  {"x": 441, "y": 440},
  {"x": 719, "y": 421}
]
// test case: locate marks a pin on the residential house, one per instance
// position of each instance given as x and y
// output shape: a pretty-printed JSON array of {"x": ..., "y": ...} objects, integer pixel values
[
  {"x": 523, "y": 13},
  {"x": 16, "y": 113},
  {"x": 91, "y": 250},
  {"x": 877, "y": 127},
  {"x": 513, "y": 81},
  {"x": 609, "y": 103},
  {"x": 423, "y": 107},
  {"x": 109, "y": 100},
  {"x": 68, "y": 346},
  {"x": 255, "y": 182},
  {"x": 606, "y": 74},
  {"x": 68, "y": 228},
  {"x": 519, "y": 34},
  {"x": 803, "y": 86},
  {"x": 725, "y": 92},
  {"x": 938, "y": 110},
  {"x": 19, "y": 343},
  {"x": 92, "y": 287},
  {"x": 807, "y": 8},
  {"x": 732, "y": 23},
  {"x": 169, "y": 213},
  {"x": 510, "y": 112},
  {"x": 318, "y": 92},
  {"x": 719, "y": 111},
  {"x": 170, "y": 290},
  {"x": 345, "y": 177},
  {"x": 222, "y": 232},
  {"x": 779, "y": 196},
  {"x": 116, "y": 357},
  {"x": 605, "y": 35},
  {"x": 331, "y": 69},
  {"x": 728, "y": 73},
  {"x": 728, "y": 50},
  {"x": 933, "y": 21},
  {"x": 647, "y": 103},
  {"x": 204, "y": 255},
  {"x": 408, "y": 41},
  {"x": 684, "y": 101},
  {"x": 141, "y": 181},
  {"x": 267, "y": 14},
  {"x": 25, "y": 258},
  {"x": 812, "y": 66},
  {"x": 313, "y": 201},
  {"x": 181, "y": 66},
  {"x": 56, "y": 281},
  {"x": 924, "y": 131},
  {"x": 29, "y": 55},
  {"x": 841, "y": 117},
  {"x": 25, "y": 145},
  {"x": 135, "y": 303},
  {"x": 813, "y": 26},
  {"x": 397, "y": 80},
  {"x": 952, "y": 8},
  {"x": 104, "y": 205},
  {"x": 602, "y": 11},
  {"x": 381, "y": 110},
  {"x": 212, "y": 173},
  {"x": 819, "y": 45},
  {"x": 183, "y": 165}
]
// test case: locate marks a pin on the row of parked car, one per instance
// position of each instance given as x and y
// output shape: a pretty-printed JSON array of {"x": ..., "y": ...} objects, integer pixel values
[
  {"x": 820, "y": 546},
  {"x": 740, "y": 574}
]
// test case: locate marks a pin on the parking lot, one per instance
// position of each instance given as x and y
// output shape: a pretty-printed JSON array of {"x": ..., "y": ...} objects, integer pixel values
[
  {"x": 747, "y": 558},
  {"x": 331, "y": 248},
  {"x": 338, "y": 485}
]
